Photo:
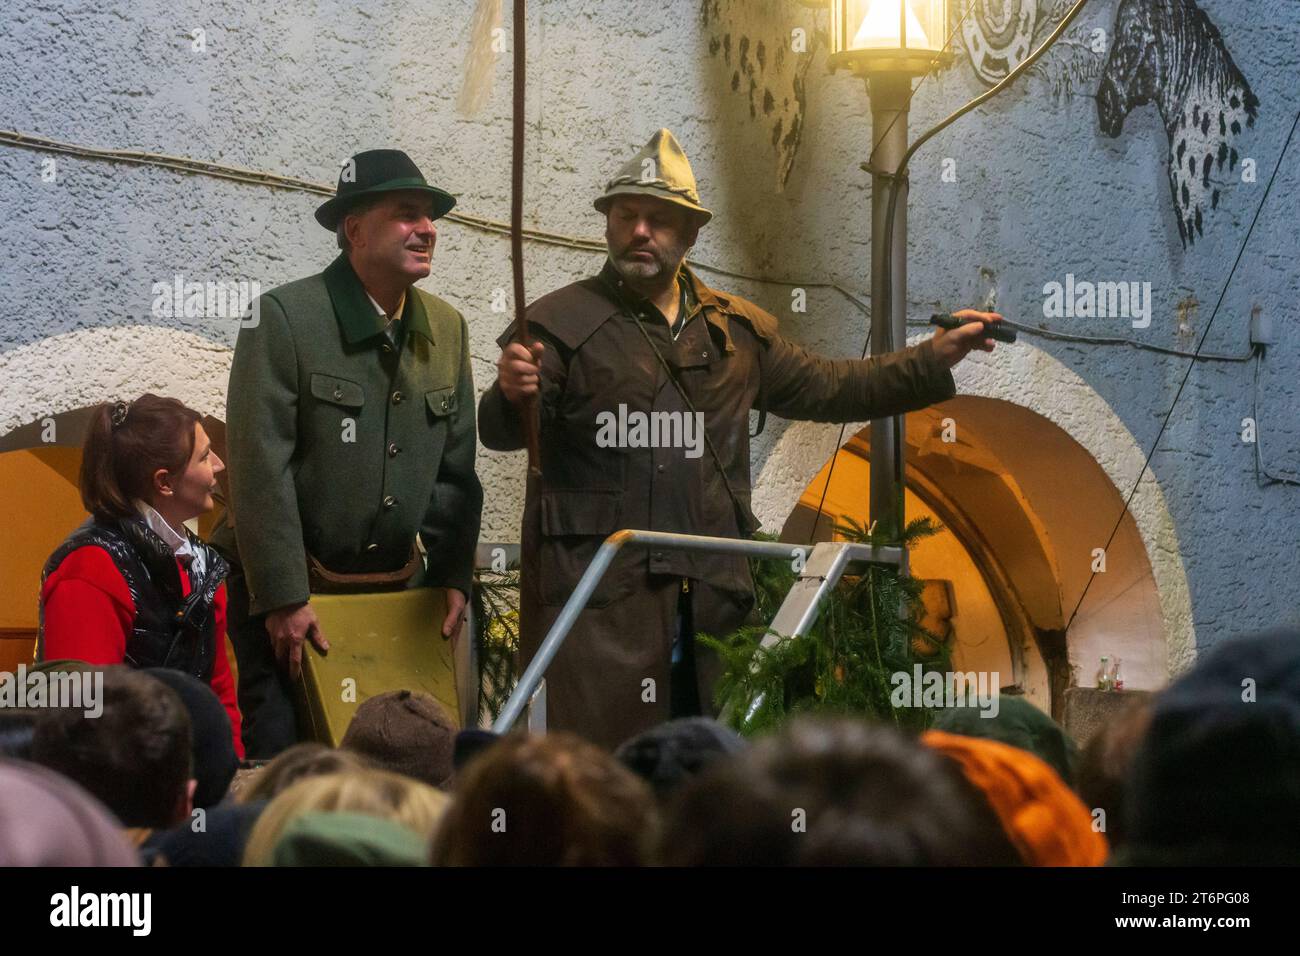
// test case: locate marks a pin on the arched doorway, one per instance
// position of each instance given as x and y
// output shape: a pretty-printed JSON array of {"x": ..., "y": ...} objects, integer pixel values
[{"x": 1026, "y": 510}]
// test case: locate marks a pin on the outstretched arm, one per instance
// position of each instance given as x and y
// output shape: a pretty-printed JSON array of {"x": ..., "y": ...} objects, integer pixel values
[{"x": 801, "y": 385}]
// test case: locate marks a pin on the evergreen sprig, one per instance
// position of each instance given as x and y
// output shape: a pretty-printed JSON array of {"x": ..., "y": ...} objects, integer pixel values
[
  {"x": 866, "y": 631},
  {"x": 495, "y": 596}
]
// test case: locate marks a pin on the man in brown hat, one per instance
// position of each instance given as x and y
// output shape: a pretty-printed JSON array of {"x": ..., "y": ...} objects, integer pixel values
[
  {"x": 351, "y": 432},
  {"x": 624, "y": 446}
]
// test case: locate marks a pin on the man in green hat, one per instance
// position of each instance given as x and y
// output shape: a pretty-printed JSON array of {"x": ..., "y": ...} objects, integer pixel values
[
  {"x": 351, "y": 433},
  {"x": 623, "y": 445}
]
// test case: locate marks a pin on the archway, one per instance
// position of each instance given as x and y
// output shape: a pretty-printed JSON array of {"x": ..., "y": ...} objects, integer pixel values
[{"x": 1025, "y": 509}]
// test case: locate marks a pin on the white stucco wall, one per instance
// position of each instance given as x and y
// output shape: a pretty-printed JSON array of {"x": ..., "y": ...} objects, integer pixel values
[{"x": 294, "y": 88}]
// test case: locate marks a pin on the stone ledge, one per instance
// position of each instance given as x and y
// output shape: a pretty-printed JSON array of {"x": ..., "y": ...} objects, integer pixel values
[{"x": 1087, "y": 709}]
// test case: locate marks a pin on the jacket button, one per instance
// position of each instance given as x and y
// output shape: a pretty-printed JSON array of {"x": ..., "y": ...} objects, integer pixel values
[
  {"x": 392, "y": 449},
  {"x": 389, "y": 501},
  {"x": 338, "y": 393},
  {"x": 388, "y": 349},
  {"x": 704, "y": 355},
  {"x": 444, "y": 404},
  {"x": 372, "y": 547},
  {"x": 660, "y": 468},
  {"x": 397, "y": 398}
]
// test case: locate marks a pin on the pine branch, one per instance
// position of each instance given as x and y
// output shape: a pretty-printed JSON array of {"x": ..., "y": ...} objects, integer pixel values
[{"x": 863, "y": 635}]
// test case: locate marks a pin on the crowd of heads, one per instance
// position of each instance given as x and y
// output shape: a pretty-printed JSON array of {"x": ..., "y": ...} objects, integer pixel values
[{"x": 1199, "y": 773}]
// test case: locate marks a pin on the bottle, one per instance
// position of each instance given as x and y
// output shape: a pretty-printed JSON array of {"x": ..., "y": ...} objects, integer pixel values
[
  {"x": 1116, "y": 679},
  {"x": 1103, "y": 673}
]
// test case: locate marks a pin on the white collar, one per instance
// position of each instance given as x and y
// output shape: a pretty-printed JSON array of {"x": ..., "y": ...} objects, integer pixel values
[
  {"x": 401, "y": 303},
  {"x": 179, "y": 543}
]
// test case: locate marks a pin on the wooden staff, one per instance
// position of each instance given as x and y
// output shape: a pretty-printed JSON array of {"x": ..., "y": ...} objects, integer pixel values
[{"x": 517, "y": 229}]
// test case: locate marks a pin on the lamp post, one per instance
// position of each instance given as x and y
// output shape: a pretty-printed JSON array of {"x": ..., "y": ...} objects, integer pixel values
[{"x": 888, "y": 43}]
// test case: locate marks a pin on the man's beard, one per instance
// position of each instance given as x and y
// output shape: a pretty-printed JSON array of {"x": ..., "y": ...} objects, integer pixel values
[{"x": 666, "y": 261}]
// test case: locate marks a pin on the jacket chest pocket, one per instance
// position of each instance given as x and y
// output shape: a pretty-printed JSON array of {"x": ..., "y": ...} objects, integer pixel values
[
  {"x": 337, "y": 391},
  {"x": 332, "y": 419},
  {"x": 441, "y": 401},
  {"x": 440, "y": 405}
]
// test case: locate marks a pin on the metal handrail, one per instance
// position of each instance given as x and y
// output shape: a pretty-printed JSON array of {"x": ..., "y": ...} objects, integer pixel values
[{"x": 587, "y": 584}]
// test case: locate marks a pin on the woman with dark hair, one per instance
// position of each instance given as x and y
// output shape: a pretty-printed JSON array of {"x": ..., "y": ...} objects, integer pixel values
[{"x": 133, "y": 585}]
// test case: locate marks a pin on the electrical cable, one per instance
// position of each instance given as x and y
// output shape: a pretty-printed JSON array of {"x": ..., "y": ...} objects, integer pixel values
[
  {"x": 1260, "y": 467},
  {"x": 900, "y": 175},
  {"x": 866, "y": 344},
  {"x": 295, "y": 184},
  {"x": 195, "y": 167},
  {"x": 1111, "y": 340},
  {"x": 1191, "y": 365},
  {"x": 900, "y": 186}
]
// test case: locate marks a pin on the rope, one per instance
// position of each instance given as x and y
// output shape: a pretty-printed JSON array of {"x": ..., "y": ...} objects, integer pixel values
[{"x": 529, "y": 415}]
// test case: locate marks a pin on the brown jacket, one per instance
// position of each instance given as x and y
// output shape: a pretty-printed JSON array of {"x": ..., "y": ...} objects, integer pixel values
[{"x": 729, "y": 358}]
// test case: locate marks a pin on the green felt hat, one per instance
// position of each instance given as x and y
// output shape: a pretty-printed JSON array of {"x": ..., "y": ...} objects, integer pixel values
[
  {"x": 661, "y": 170},
  {"x": 378, "y": 171}
]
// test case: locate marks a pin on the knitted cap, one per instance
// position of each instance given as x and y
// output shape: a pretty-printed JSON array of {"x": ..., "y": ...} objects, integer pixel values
[
  {"x": 469, "y": 744},
  {"x": 1216, "y": 780},
  {"x": 213, "y": 747},
  {"x": 1048, "y": 824},
  {"x": 407, "y": 732},
  {"x": 220, "y": 843},
  {"x": 1020, "y": 724},
  {"x": 668, "y": 755}
]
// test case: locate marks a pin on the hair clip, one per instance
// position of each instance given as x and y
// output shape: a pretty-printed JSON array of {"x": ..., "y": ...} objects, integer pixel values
[{"x": 119, "y": 413}]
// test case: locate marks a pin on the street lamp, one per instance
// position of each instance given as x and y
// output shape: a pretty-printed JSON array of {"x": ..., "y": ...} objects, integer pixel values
[
  {"x": 888, "y": 36},
  {"x": 888, "y": 43}
]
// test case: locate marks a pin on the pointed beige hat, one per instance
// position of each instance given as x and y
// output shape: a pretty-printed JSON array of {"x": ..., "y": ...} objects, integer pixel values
[{"x": 661, "y": 170}]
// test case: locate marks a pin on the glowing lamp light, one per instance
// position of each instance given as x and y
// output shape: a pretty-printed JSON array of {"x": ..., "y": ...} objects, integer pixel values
[
  {"x": 887, "y": 36},
  {"x": 881, "y": 27}
]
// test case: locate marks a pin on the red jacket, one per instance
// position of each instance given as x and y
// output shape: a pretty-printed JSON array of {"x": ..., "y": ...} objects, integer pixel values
[{"x": 89, "y": 613}]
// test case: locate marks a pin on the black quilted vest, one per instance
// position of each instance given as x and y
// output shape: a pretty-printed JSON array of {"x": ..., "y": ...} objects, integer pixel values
[{"x": 170, "y": 630}]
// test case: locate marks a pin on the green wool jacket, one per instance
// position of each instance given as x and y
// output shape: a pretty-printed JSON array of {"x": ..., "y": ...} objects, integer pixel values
[{"x": 345, "y": 446}]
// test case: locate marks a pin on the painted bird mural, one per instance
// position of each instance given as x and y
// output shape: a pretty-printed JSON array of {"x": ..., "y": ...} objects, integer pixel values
[{"x": 1168, "y": 52}]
